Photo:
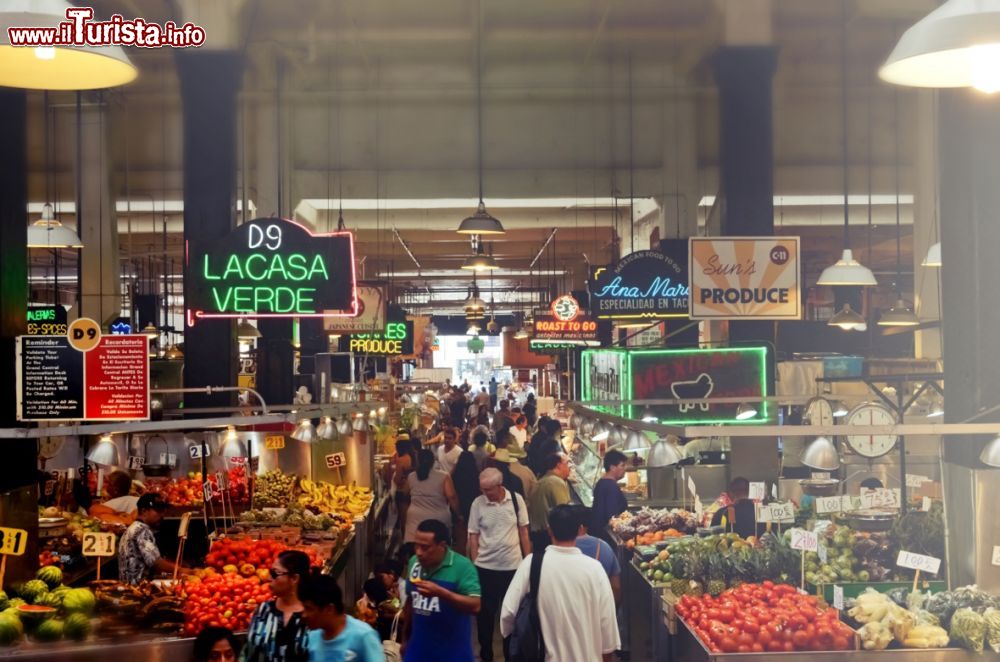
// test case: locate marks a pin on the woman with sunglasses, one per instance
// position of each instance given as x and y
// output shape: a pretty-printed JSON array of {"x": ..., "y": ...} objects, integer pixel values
[{"x": 277, "y": 632}]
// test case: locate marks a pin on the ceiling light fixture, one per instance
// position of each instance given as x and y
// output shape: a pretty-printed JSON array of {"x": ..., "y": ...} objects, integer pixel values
[
  {"x": 746, "y": 411},
  {"x": 839, "y": 409},
  {"x": 648, "y": 416},
  {"x": 59, "y": 67},
  {"x": 247, "y": 331},
  {"x": 47, "y": 232},
  {"x": 991, "y": 454},
  {"x": 305, "y": 432},
  {"x": 664, "y": 453},
  {"x": 933, "y": 257},
  {"x": 956, "y": 45},
  {"x": 327, "y": 429},
  {"x": 480, "y": 261},
  {"x": 150, "y": 331},
  {"x": 104, "y": 452},
  {"x": 848, "y": 320},
  {"x": 821, "y": 455}
]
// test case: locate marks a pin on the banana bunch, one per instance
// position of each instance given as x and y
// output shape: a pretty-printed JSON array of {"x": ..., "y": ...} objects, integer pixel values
[{"x": 349, "y": 500}]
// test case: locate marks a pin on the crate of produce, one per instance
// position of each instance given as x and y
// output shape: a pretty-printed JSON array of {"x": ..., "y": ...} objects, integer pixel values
[{"x": 854, "y": 589}]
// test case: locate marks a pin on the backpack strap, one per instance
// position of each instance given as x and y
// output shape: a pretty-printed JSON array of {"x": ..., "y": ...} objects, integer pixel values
[{"x": 534, "y": 579}]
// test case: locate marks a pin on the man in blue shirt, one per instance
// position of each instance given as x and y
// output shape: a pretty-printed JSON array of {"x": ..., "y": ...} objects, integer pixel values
[
  {"x": 334, "y": 635},
  {"x": 598, "y": 549}
]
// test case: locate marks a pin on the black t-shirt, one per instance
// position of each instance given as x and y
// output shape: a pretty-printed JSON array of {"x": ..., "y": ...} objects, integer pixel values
[
  {"x": 745, "y": 515},
  {"x": 609, "y": 501}
]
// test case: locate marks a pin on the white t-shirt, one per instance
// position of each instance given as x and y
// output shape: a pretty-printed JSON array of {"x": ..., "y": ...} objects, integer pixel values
[
  {"x": 123, "y": 504},
  {"x": 519, "y": 435},
  {"x": 446, "y": 460},
  {"x": 499, "y": 542},
  {"x": 575, "y": 605}
]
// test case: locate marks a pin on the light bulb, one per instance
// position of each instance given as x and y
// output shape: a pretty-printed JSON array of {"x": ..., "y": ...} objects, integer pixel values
[
  {"x": 985, "y": 67},
  {"x": 45, "y": 53}
]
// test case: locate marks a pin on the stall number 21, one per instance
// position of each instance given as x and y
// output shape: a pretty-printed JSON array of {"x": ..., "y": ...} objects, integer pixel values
[{"x": 98, "y": 544}]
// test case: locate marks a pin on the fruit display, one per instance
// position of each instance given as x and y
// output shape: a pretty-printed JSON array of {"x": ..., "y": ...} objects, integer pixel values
[
  {"x": 639, "y": 524},
  {"x": 189, "y": 491},
  {"x": 221, "y": 600},
  {"x": 274, "y": 489},
  {"x": 853, "y": 556},
  {"x": 297, "y": 516},
  {"x": 248, "y": 557},
  {"x": 765, "y": 617},
  {"x": 46, "y": 610},
  {"x": 329, "y": 498}
]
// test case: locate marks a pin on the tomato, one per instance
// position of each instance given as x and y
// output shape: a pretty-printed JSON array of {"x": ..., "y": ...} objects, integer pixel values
[
  {"x": 764, "y": 636},
  {"x": 788, "y": 647},
  {"x": 728, "y": 645},
  {"x": 775, "y": 646},
  {"x": 756, "y": 648},
  {"x": 726, "y": 615},
  {"x": 744, "y": 639},
  {"x": 743, "y": 648},
  {"x": 801, "y": 641},
  {"x": 840, "y": 643},
  {"x": 712, "y": 613}
]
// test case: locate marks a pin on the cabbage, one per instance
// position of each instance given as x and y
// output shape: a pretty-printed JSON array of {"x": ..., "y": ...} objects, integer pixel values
[
  {"x": 992, "y": 617},
  {"x": 968, "y": 629}
]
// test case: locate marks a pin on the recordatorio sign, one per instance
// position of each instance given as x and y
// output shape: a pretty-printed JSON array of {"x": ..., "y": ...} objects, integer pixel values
[{"x": 271, "y": 267}]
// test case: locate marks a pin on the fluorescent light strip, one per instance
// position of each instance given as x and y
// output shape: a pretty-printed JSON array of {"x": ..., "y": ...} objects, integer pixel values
[
  {"x": 137, "y": 206},
  {"x": 464, "y": 273},
  {"x": 824, "y": 200},
  {"x": 366, "y": 204}
]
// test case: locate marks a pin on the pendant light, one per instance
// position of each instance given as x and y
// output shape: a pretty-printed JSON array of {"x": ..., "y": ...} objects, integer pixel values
[
  {"x": 56, "y": 67},
  {"x": 247, "y": 331},
  {"x": 991, "y": 454},
  {"x": 899, "y": 314},
  {"x": 846, "y": 270},
  {"x": 848, "y": 320},
  {"x": 956, "y": 45},
  {"x": 821, "y": 455},
  {"x": 480, "y": 261},
  {"x": 104, "y": 452},
  {"x": 933, "y": 258},
  {"x": 664, "y": 453},
  {"x": 47, "y": 231},
  {"x": 305, "y": 432},
  {"x": 481, "y": 222},
  {"x": 327, "y": 429},
  {"x": 746, "y": 411}
]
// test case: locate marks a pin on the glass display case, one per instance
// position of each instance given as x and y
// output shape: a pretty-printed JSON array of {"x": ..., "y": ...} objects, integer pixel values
[{"x": 585, "y": 470}]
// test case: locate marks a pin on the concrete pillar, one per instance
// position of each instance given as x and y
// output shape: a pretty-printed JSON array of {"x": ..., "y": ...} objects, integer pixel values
[
  {"x": 926, "y": 223},
  {"x": 100, "y": 283},
  {"x": 679, "y": 205}
]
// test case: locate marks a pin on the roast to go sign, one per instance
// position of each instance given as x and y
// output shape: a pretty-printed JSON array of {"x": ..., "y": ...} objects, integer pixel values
[
  {"x": 13, "y": 541},
  {"x": 98, "y": 543},
  {"x": 336, "y": 461},
  {"x": 271, "y": 267},
  {"x": 752, "y": 277}
]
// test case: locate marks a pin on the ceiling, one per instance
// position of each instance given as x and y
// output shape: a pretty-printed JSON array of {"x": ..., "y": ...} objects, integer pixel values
[{"x": 597, "y": 101}]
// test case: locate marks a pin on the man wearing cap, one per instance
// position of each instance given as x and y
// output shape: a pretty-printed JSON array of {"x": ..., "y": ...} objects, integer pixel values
[
  {"x": 138, "y": 554},
  {"x": 510, "y": 456}
]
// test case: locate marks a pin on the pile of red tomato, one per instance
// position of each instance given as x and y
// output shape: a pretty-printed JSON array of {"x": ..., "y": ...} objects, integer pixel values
[
  {"x": 767, "y": 617},
  {"x": 258, "y": 553},
  {"x": 222, "y": 600}
]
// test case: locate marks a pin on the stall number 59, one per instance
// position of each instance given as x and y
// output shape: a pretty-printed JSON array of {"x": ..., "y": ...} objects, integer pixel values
[
  {"x": 98, "y": 543},
  {"x": 13, "y": 541}
]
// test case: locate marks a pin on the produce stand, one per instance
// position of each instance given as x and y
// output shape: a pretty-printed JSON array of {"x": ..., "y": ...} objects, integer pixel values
[{"x": 146, "y": 648}]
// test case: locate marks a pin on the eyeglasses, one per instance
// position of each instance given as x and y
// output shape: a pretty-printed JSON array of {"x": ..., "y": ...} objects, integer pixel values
[{"x": 275, "y": 574}]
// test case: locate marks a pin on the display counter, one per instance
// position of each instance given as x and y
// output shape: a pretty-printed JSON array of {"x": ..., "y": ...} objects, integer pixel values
[{"x": 145, "y": 648}]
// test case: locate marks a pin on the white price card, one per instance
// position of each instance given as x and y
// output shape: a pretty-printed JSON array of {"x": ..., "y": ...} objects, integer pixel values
[
  {"x": 691, "y": 487},
  {"x": 336, "y": 460},
  {"x": 699, "y": 509},
  {"x": 758, "y": 491},
  {"x": 918, "y": 562},
  {"x": 823, "y": 555},
  {"x": 783, "y": 513},
  {"x": 206, "y": 490},
  {"x": 196, "y": 451},
  {"x": 168, "y": 458},
  {"x": 805, "y": 541},
  {"x": 763, "y": 513},
  {"x": 135, "y": 462},
  {"x": 914, "y": 480},
  {"x": 222, "y": 480},
  {"x": 838, "y": 597},
  {"x": 925, "y": 504},
  {"x": 880, "y": 498},
  {"x": 832, "y": 504},
  {"x": 238, "y": 461},
  {"x": 97, "y": 543},
  {"x": 821, "y": 475},
  {"x": 996, "y": 554}
]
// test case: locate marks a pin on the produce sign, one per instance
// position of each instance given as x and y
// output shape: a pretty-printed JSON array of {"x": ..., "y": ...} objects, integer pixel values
[
  {"x": 107, "y": 382},
  {"x": 753, "y": 277},
  {"x": 396, "y": 340},
  {"x": 682, "y": 374},
  {"x": 271, "y": 267},
  {"x": 371, "y": 313},
  {"x": 643, "y": 285},
  {"x": 765, "y": 617},
  {"x": 47, "y": 321}
]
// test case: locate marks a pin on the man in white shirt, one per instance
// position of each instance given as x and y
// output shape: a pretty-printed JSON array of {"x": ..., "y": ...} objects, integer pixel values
[
  {"x": 498, "y": 540},
  {"x": 118, "y": 484},
  {"x": 519, "y": 432},
  {"x": 575, "y": 603},
  {"x": 448, "y": 452}
]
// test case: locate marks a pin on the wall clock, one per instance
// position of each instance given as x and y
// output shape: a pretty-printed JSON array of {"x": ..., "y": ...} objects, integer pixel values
[
  {"x": 871, "y": 414},
  {"x": 818, "y": 411}
]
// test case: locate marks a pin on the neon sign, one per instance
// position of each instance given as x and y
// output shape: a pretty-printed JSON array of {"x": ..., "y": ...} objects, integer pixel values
[
  {"x": 643, "y": 285},
  {"x": 271, "y": 267},
  {"x": 396, "y": 340}
]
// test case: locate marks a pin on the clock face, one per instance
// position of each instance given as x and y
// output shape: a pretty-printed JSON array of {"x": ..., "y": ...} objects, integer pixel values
[
  {"x": 871, "y": 446},
  {"x": 818, "y": 411}
]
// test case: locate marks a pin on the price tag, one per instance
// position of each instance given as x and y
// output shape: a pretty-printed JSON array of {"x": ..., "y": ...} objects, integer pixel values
[
  {"x": 96, "y": 543},
  {"x": 691, "y": 487},
  {"x": 758, "y": 491},
  {"x": 222, "y": 480},
  {"x": 206, "y": 490},
  {"x": 838, "y": 597},
  {"x": 195, "y": 451},
  {"x": 50, "y": 487},
  {"x": 182, "y": 528},
  {"x": 135, "y": 462},
  {"x": 913, "y": 480},
  {"x": 238, "y": 461},
  {"x": 823, "y": 555},
  {"x": 699, "y": 509},
  {"x": 274, "y": 442},
  {"x": 764, "y": 514},
  {"x": 168, "y": 458},
  {"x": 254, "y": 464},
  {"x": 996, "y": 554},
  {"x": 925, "y": 504},
  {"x": 805, "y": 541},
  {"x": 880, "y": 498},
  {"x": 13, "y": 541},
  {"x": 783, "y": 513},
  {"x": 774, "y": 490},
  {"x": 918, "y": 562},
  {"x": 821, "y": 475},
  {"x": 832, "y": 504},
  {"x": 336, "y": 461}
]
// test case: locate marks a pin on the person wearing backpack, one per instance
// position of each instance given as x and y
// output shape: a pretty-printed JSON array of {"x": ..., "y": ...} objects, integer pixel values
[
  {"x": 498, "y": 541},
  {"x": 573, "y": 610}
]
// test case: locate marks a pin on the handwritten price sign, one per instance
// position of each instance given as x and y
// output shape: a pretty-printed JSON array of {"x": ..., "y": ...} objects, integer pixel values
[
  {"x": 98, "y": 544},
  {"x": 222, "y": 478},
  {"x": 996, "y": 555},
  {"x": 880, "y": 498},
  {"x": 805, "y": 541},
  {"x": 780, "y": 513},
  {"x": 918, "y": 562},
  {"x": 13, "y": 541},
  {"x": 758, "y": 491},
  {"x": 837, "y": 504},
  {"x": 336, "y": 461},
  {"x": 135, "y": 462}
]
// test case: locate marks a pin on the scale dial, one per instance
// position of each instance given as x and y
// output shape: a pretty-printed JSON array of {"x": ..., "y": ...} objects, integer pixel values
[
  {"x": 818, "y": 411},
  {"x": 871, "y": 414}
]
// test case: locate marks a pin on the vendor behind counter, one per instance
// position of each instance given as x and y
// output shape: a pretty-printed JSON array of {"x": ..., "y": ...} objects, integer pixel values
[{"x": 740, "y": 516}]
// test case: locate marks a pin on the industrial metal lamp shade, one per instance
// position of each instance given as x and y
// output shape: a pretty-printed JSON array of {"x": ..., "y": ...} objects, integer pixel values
[
  {"x": 933, "y": 257},
  {"x": 231, "y": 444},
  {"x": 305, "y": 432},
  {"x": 991, "y": 454},
  {"x": 839, "y": 409},
  {"x": 61, "y": 67},
  {"x": 104, "y": 452},
  {"x": 664, "y": 453},
  {"x": 746, "y": 411},
  {"x": 847, "y": 319},
  {"x": 821, "y": 455},
  {"x": 174, "y": 352},
  {"x": 847, "y": 271},
  {"x": 956, "y": 45},
  {"x": 344, "y": 427},
  {"x": 47, "y": 232},
  {"x": 636, "y": 441},
  {"x": 247, "y": 331},
  {"x": 481, "y": 223},
  {"x": 601, "y": 432},
  {"x": 480, "y": 262},
  {"x": 648, "y": 416},
  {"x": 899, "y": 315}
]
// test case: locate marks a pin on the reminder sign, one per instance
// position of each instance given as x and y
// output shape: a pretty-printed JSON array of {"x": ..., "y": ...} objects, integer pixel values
[
  {"x": 745, "y": 278},
  {"x": 271, "y": 267},
  {"x": 643, "y": 285}
]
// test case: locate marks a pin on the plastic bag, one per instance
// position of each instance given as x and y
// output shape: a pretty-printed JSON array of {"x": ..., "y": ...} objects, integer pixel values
[
  {"x": 968, "y": 629},
  {"x": 992, "y": 617}
]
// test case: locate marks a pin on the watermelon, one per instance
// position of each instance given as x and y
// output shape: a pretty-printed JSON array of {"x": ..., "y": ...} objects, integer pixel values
[
  {"x": 49, "y": 600},
  {"x": 14, "y": 603},
  {"x": 50, "y": 630},
  {"x": 79, "y": 600},
  {"x": 76, "y": 627},
  {"x": 61, "y": 591},
  {"x": 11, "y": 629},
  {"x": 3, "y": 600},
  {"x": 51, "y": 575},
  {"x": 32, "y": 588}
]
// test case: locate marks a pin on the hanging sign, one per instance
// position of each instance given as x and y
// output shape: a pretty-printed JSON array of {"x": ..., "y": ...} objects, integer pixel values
[
  {"x": 47, "y": 321},
  {"x": 681, "y": 374},
  {"x": 82, "y": 376},
  {"x": 582, "y": 330},
  {"x": 643, "y": 285},
  {"x": 271, "y": 267},
  {"x": 97, "y": 543},
  {"x": 746, "y": 277},
  {"x": 370, "y": 317},
  {"x": 13, "y": 542},
  {"x": 395, "y": 340},
  {"x": 336, "y": 461}
]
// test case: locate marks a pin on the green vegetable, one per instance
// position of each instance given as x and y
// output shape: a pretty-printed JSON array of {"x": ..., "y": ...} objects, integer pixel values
[
  {"x": 50, "y": 630},
  {"x": 968, "y": 629},
  {"x": 51, "y": 575},
  {"x": 79, "y": 600},
  {"x": 11, "y": 629},
  {"x": 77, "y": 627},
  {"x": 992, "y": 617}
]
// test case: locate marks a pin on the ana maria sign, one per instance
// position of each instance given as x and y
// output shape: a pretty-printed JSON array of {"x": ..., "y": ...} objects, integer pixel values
[
  {"x": 643, "y": 285},
  {"x": 271, "y": 267}
]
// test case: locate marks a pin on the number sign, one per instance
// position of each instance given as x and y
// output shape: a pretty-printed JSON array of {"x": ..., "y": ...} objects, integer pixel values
[
  {"x": 13, "y": 541},
  {"x": 336, "y": 461},
  {"x": 97, "y": 543}
]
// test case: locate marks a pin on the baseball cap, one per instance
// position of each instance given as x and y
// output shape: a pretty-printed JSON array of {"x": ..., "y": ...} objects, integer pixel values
[{"x": 154, "y": 501}]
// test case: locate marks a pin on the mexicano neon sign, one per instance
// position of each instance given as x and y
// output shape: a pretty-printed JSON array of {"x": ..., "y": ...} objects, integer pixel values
[{"x": 272, "y": 267}]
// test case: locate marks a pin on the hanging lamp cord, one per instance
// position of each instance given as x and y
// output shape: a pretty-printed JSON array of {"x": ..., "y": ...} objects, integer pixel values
[
  {"x": 843, "y": 118},
  {"x": 899, "y": 257},
  {"x": 479, "y": 97}
]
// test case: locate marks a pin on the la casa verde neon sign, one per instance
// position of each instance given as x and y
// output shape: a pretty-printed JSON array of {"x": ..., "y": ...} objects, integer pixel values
[{"x": 272, "y": 267}]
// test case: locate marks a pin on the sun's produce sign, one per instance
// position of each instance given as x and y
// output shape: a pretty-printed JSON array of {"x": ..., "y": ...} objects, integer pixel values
[{"x": 270, "y": 267}]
